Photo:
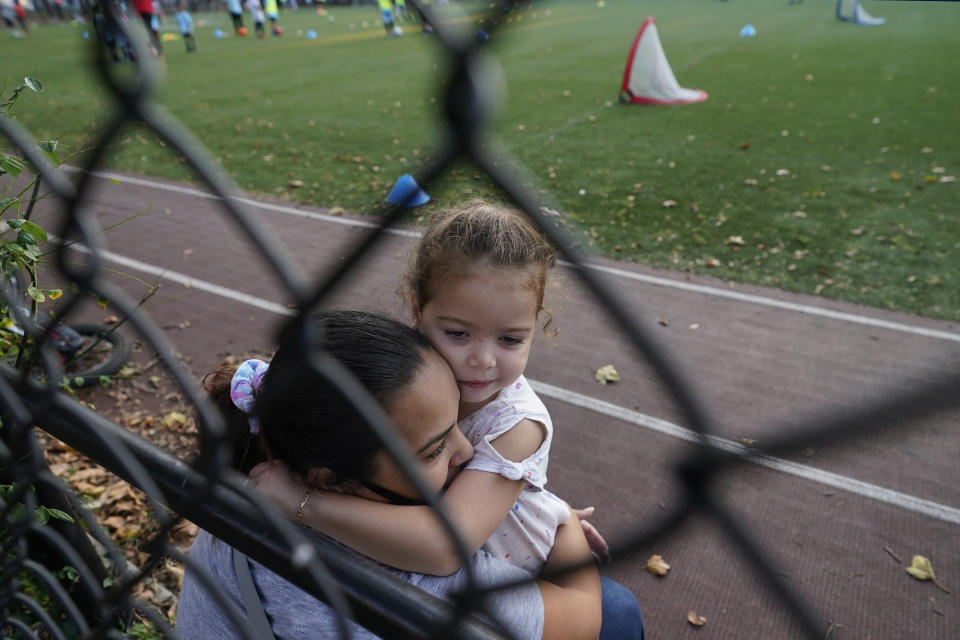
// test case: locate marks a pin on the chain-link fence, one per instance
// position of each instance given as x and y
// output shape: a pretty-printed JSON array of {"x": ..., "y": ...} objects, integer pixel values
[{"x": 99, "y": 601}]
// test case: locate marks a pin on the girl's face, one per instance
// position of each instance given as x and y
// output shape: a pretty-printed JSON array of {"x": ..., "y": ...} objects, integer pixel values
[
  {"x": 482, "y": 323},
  {"x": 426, "y": 415}
]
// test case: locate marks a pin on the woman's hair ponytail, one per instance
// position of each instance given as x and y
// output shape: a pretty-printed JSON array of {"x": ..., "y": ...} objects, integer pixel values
[
  {"x": 247, "y": 449},
  {"x": 303, "y": 418}
]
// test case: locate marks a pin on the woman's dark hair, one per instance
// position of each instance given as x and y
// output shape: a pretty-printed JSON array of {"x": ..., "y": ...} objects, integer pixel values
[{"x": 304, "y": 419}]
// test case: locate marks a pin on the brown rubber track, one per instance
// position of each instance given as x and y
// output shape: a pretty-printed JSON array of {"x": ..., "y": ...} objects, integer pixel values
[{"x": 756, "y": 368}]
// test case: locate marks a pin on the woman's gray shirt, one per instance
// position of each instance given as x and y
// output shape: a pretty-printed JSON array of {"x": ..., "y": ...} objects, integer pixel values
[{"x": 296, "y": 615}]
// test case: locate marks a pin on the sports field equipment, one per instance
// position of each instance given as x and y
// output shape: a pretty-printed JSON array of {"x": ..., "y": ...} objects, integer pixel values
[
  {"x": 648, "y": 78},
  {"x": 851, "y": 11},
  {"x": 407, "y": 192}
]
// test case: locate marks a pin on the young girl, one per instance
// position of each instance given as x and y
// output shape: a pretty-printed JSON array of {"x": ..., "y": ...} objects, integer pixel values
[{"x": 476, "y": 287}]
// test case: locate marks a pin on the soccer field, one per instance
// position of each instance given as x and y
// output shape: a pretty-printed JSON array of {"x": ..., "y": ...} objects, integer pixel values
[{"x": 822, "y": 162}]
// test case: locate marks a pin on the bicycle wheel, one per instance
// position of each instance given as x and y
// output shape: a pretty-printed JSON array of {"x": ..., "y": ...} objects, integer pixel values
[{"x": 103, "y": 353}]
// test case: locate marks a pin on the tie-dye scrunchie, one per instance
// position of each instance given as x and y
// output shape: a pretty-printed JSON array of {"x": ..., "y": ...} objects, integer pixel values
[{"x": 245, "y": 382}]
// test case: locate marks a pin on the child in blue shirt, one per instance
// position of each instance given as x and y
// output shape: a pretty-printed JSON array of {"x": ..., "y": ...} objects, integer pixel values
[{"x": 185, "y": 23}]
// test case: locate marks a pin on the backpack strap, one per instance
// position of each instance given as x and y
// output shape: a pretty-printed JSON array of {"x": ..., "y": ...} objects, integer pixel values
[{"x": 251, "y": 599}]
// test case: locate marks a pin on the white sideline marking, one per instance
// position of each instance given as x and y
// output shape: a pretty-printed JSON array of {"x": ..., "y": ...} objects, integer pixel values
[
  {"x": 889, "y": 496},
  {"x": 191, "y": 191},
  {"x": 621, "y": 273},
  {"x": 781, "y": 304},
  {"x": 895, "y": 498},
  {"x": 192, "y": 282}
]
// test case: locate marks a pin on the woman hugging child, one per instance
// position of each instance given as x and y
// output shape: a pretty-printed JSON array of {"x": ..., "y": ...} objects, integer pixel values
[{"x": 476, "y": 287}]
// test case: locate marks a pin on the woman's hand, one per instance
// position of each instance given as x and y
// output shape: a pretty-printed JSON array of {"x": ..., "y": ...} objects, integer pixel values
[
  {"x": 275, "y": 480},
  {"x": 598, "y": 546}
]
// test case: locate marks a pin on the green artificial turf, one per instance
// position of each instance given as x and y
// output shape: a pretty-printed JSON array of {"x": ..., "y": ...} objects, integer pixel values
[{"x": 820, "y": 163}]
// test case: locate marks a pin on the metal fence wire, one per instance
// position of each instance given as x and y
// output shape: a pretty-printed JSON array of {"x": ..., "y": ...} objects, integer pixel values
[{"x": 102, "y": 602}]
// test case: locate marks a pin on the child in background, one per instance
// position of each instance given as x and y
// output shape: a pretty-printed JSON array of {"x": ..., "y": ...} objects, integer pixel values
[
  {"x": 386, "y": 15},
  {"x": 256, "y": 12},
  {"x": 236, "y": 15},
  {"x": 273, "y": 13},
  {"x": 476, "y": 287},
  {"x": 21, "y": 15},
  {"x": 146, "y": 10},
  {"x": 185, "y": 23}
]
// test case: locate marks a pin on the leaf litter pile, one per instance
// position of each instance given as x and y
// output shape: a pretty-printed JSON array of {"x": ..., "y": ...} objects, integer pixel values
[{"x": 144, "y": 399}]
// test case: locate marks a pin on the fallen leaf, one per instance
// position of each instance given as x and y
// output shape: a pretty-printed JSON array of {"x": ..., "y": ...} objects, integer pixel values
[
  {"x": 336, "y": 211},
  {"x": 921, "y": 569},
  {"x": 87, "y": 489},
  {"x": 664, "y": 321},
  {"x": 695, "y": 619},
  {"x": 174, "y": 418},
  {"x": 295, "y": 183},
  {"x": 184, "y": 530},
  {"x": 694, "y": 326},
  {"x": 737, "y": 240},
  {"x": 948, "y": 178},
  {"x": 745, "y": 145},
  {"x": 657, "y": 566},
  {"x": 607, "y": 374},
  {"x": 91, "y": 473},
  {"x": 712, "y": 262},
  {"x": 669, "y": 203},
  {"x": 128, "y": 531},
  {"x": 895, "y": 176}
]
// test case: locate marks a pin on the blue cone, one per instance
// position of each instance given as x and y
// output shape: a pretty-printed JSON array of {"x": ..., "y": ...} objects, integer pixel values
[
  {"x": 311, "y": 34},
  {"x": 407, "y": 192},
  {"x": 217, "y": 33},
  {"x": 748, "y": 31}
]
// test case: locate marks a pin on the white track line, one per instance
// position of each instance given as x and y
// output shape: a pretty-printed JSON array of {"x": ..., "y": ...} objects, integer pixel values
[
  {"x": 895, "y": 498},
  {"x": 888, "y": 496},
  {"x": 781, "y": 304},
  {"x": 199, "y": 193},
  {"x": 620, "y": 273}
]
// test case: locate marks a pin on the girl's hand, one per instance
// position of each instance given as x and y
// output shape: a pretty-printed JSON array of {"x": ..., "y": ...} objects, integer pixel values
[
  {"x": 275, "y": 480},
  {"x": 598, "y": 546}
]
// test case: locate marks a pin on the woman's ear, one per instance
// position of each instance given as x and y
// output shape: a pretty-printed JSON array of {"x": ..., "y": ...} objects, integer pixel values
[{"x": 326, "y": 480}]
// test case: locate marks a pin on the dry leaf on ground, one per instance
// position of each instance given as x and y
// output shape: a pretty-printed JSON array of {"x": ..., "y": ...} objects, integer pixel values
[
  {"x": 174, "y": 418},
  {"x": 657, "y": 566},
  {"x": 695, "y": 619},
  {"x": 922, "y": 569},
  {"x": 607, "y": 374}
]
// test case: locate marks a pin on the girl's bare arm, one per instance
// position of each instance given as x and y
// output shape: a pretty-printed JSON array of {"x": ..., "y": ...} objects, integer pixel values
[
  {"x": 413, "y": 538},
  {"x": 571, "y": 601}
]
